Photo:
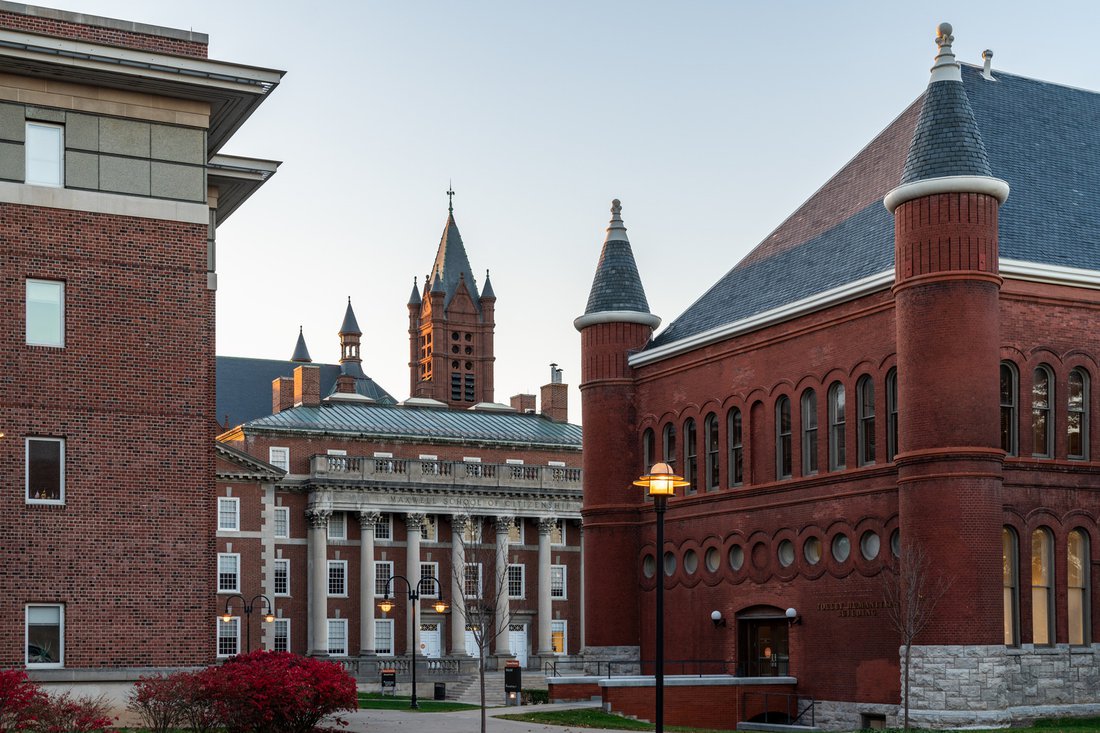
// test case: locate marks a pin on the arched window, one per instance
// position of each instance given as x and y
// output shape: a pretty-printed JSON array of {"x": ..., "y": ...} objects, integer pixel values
[
  {"x": 865, "y": 407},
  {"x": 1077, "y": 580},
  {"x": 1042, "y": 397},
  {"x": 891, "y": 414},
  {"x": 1010, "y": 553},
  {"x": 809, "y": 432},
  {"x": 668, "y": 440},
  {"x": 783, "y": 437},
  {"x": 1042, "y": 586},
  {"x": 710, "y": 436},
  {"x": 736, "y": 447},
  {"x": 1077, "y": 415},
  {"x": 1009, "y": 419},
  {"x": 691, "y": 473},
  {"x": 836, "y": 426},
  {"x": 647, "y": 450}
]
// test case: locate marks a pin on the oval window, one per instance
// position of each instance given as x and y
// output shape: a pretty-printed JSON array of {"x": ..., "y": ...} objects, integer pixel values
[
  {"x": 737, "y": 557},
  {"x": 895, "y": 543},
  {"x": 670, "y": 563},
  {"x": 786, "y": 553},
  {"x": 842, "y": 547},
  {"x": 869, "y": 545},
  {"x": 812, "y": 550},
  {"x": 691, "y": 562},
  {"x": 711, "y": 559},
  {"x": 649, "y": 566}
]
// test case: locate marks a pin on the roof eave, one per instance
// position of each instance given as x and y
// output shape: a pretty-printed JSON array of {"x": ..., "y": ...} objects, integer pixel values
[{"x": 237, "y": 178}]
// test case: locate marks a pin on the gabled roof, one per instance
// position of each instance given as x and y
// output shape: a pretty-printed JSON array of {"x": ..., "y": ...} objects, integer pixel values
[
  {"x": 452, "y": 265},
  {"x": 1043, "y": 139},
  {"x": 244, "y": 466}
]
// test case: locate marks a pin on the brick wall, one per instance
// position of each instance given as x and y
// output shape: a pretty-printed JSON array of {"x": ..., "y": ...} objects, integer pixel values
[{"x": 101, "y": 34}]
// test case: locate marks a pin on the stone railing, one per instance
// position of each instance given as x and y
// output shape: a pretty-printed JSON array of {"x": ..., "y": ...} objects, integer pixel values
[
  {"x": 370, "y": 668},
  {"x": 444, "y": 473}
]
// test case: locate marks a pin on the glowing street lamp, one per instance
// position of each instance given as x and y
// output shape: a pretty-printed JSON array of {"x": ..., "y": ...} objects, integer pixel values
[
  {"x": 268, "y": 617},
  {"x": 386, "y": 605}
]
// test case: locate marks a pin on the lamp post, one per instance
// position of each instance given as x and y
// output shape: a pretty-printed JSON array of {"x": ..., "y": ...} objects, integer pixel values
[
  {"x": 660, "y": 483},
  {"x": 386, "y": 605},
  {"x": 248, "y": 605}
]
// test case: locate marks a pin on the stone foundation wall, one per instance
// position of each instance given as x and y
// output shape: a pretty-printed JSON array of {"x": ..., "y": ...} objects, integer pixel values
[
  {"x": 625, "y": 659},
  {"x": 836, "y": 715}
]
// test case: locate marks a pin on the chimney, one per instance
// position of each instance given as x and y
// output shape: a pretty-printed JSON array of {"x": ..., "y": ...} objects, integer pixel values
[
  {"x": 345, "y": 383},
  {"x": 307, "y": 386},
  {"x": 282, "y": 394},
  {"x": 523, "y": 403},
  {"x": 555, "y": 397}
]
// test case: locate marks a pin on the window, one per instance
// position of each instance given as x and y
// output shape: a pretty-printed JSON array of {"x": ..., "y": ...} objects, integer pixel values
[
  {"x": 229, "y": 572},
  {"x": 383, "y": 637},
  {"x": 471, "y": 587},
  {"x": 282, "y": 522},
  {"x": 45, "y": 470},
  {"x": 1077, "y": 414},
  {"x": 691, "y": 473},
  {"x": 45, "y": 313},
  {"x": 783, "y": 437},
  {"x": 338, "y": 526},
  {"x": 429, "y": 529},
  {"x": 865, "y": 426},
  {"x": 383, "y": 528},
  {"x": 45, "y": 157},
  {"x": 647, "y": 450},
  {"x": 229, "y": 514},
  {"x": 383, "y": 571},
  {"x": 229, "y": 636},
  {"x": 429, "y": 575},
  {"x": 1042, "y": 397},
  {"x": 472, "y": 534},
  {"x": 282, "y": 577},
  {"x": 281, "y": 635},
  {"x": 1009, "y": 419},
  {"x": 338, "y": 577},
  {"x": 515, "y": 531},
  {"x": 1042, "y": 587},
  {"x": 809, "y": 432},
  {"x": 836, "y": 427},
  {"x": 710, "y": 436},
  {"x": 891, "y": 414},
  {"x": 557, "y": 636},
  {"x": 515, "y": 581},
  {"x": 45, "y": 635},
  {"x": 557, "y": 582},
  {"x": 1010, "y": 554},
  {"x": 338, "y": 637},
  {"x": 1077, "y": 600},
  {"x": 557, "y": 534},
  {"x": 668, "y": 440},
  {"x": 736, "y": 447},
  {"x": 279, "y": 457}
]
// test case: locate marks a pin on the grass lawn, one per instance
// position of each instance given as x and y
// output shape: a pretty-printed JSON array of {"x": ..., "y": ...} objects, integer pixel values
[{"x": 376, "y": 701}]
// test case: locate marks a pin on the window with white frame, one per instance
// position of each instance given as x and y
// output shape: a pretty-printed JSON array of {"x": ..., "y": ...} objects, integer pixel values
[
  {"x": 282, "y": 577},
  {"x": 338, "y": 637},
  {"x": 45, "y": 159},
  {"x": 282, "y": 522},
  {"x": 472, "y": 534},
  {"x": 558, "y": 635},
  {"x": 557, "y": 534},
  {"x": 45, "y": 470},
  {"x": 45, "y": 311},
  {"x": 338, "y": 577},
  {"x": 45, "y": 632},
  {"x": 383, "y": 571},
  {"x": 515, "y": 581},
  {"x": 557, "y": 582},
  {"x": 471, "y": 586},
  {"x": 429, "y": 529},
  {"x": 229, "y": 514},
  {"x": 383, "y": 528},
  {"x": 515, "y": 531},
  {"x": 229, "y": 636},
  {"x": 338, "y": 526},
  {"x": 281, "y": 635},
  {"x": 279, "y": 457},
  {"x": 229, "y": 572},
  {"x": 429, "y": 588},
  {"x": 383, "y": 637}
]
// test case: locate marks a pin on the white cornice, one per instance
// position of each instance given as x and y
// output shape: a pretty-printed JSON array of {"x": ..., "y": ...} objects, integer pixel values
[
  {"x": 994, "y": 187},
  {"x": 591, "y": 319},
  {"x": 1054, "y": 274}
]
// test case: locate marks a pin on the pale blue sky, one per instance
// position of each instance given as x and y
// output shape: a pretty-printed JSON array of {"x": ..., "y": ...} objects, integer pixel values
[{"x": 712, "y": 121}]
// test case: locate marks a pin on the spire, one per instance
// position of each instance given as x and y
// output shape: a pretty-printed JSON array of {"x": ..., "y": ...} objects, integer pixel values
[
  {"x": 350, "y": 325},
  {"x": 451, "y": 263},
  {"x": 450, "y": 198},
  {"x": 617, "y": 294},
  {"x": 437, "y": 285},
  {"x": 414, "y": 299},
  {"x": 487, "y": 292},
  {"x": 301, "y": 353}
]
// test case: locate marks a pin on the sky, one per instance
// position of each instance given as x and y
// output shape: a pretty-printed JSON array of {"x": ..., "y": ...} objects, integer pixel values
[{"x": 711, "y": 121}]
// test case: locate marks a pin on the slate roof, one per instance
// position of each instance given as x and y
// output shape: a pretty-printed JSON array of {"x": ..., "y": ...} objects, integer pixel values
[
  {"x": 414, "y": 299},
  {"x": 451, "y": 264},
  {"x": 1044, "y": 139},
  {"x": 393, "y": 421},
  {"x": 301, "y": 353},
  {"x": 350, "y": 325},
  {"x": 946, "y": 141},
  {"x": 616, "y": 286}
]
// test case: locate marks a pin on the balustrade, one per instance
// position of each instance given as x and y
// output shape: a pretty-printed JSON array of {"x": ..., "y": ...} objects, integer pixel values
[{"x": 436, "y": 472}]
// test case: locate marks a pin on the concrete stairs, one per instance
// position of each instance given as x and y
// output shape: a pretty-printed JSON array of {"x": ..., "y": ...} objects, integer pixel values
[{"x": 468, "y": 690}]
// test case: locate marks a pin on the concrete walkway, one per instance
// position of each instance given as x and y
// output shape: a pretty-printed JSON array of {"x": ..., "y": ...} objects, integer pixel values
[{"x": 463, "y": 721}]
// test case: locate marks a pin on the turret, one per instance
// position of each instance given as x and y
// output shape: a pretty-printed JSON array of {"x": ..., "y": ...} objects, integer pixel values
[
  {"x": 349, "y": 336},
  {"x": 301, "y": 353}
]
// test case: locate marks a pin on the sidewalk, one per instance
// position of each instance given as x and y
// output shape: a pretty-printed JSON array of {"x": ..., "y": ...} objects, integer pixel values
[{"x": 464, "y": 721}]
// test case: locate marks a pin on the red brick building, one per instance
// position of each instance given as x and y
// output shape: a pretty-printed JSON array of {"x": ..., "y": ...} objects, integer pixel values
[
  {"x": 869, "y": 382},
  {"x": 111, "y": 191}
]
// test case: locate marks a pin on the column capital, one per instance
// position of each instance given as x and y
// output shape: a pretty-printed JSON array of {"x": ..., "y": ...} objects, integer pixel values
[
  {"x": 415, "y": 520},
  {"x": 318, "y": 517},
  {"x": 367, "y": 519},
  {"x": 459, "y": 522},
  {"x": 547, "y": 525},
  {"x": 504, "y": 523}
]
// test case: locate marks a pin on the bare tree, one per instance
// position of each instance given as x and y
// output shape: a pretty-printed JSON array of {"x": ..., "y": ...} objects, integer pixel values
[{"x": 911, "y": 593}]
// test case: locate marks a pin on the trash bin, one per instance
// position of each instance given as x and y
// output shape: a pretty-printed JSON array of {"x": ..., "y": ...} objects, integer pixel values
[{"x": 440, "y": 690}]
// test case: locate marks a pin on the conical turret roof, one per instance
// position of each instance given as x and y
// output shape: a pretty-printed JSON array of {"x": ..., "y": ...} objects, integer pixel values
[
  {"x": 617, "y": 293},
  {"x": 487, "y": 291},
  {"x": 301, "y": 353},
  {"x": 414, "y": 299},
  {"x": 451, "y": 263},
  {"x": 350, "y": 325}
]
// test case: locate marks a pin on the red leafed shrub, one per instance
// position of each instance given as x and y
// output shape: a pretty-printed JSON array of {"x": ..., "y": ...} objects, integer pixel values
[
  {"x": 67, "y": 714},
  {"x": 18, "y": 698},
  {"x": 276, "y": 692},
  {"x": 167, "y": 702}
]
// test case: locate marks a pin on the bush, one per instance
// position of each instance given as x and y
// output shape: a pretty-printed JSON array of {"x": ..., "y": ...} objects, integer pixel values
[
  {"x": 67, "y": 714},
  {"x": 159, "y": 701},
  {"x": 18, "y": 697},
  {"x": 535, "y": 697}
]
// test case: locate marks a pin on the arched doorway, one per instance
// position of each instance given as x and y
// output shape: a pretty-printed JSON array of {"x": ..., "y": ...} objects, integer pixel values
[{"x": 762, "y": 649}]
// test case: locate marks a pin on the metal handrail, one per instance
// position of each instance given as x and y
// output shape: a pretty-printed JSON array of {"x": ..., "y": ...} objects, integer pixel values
[{"x": 792, "y": 708}]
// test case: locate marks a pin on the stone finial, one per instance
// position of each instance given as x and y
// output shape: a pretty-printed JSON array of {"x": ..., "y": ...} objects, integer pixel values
[
  {"x": 616, "y": 230},
  {"x": 945, "y": 67}
]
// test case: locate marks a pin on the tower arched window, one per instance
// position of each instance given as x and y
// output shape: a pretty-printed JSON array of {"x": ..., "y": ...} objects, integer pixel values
[
  {"x": 809, "y": 432},
  {"x": 647, "y": 450},
  {"x": 691, "y": 472},
  {"x": 710, "y": 432},
  {"x": 1042, "y": 586},
  {"x": 1042, "y": 397},
  {"x": 865, "y": 407},
  {"x": 1077, "y": 580},
  {"x": 891, "y": 414},
  {"x": 783, "y": 437},
  {"x": 1010, "y": 554},
  {"x": 1009, "y": 415},
  {"x": 668, "y": 444},
  {"x": 836, "y": 427},
  {"x": 1077, "y": 414},
  {"x": 734, "y": 439}
]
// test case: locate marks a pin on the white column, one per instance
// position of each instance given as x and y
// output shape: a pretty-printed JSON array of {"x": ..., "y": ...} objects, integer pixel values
[
  {"x": 580, "y": 585},
  {"x": 458, "y": 575},
  {"x": 414, "y": 524},
  {"x": 318, "y": 580},
  {"x": 546, "y": 606},
  {"x": 367, "y": 520},
  {"x": 500, "y": 579}
]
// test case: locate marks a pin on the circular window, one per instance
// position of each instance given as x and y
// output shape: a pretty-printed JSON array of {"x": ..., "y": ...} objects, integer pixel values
[
  {"x": 454, "y": 336},
  {"x": 454, "y": 365},
  {"x": 842, "y": 547},
  {"x": 691, "y": 562},
  {"x": 670, "y": 563},
  {"x": 469, "y": 350},
  {"x": 454, "y": 349},
  {"x": 711, "y": 559},
  {"x": 812, "y": 550},
  {"x": 469, "y": 365},
  {"x": 895, "y": 543},
  {"x": 649, "y": 566},
  {"x": 737, "y": 557},
  {"x": 469, "y": 337},
  {"x": 786, "y": 553},
  {"x": 869, "y": 545}
]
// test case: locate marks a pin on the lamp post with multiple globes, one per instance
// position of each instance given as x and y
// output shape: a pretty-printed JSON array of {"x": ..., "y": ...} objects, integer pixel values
[
  {"x": 386, "y": 605},
  {"x": 268, "y": 617}
]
